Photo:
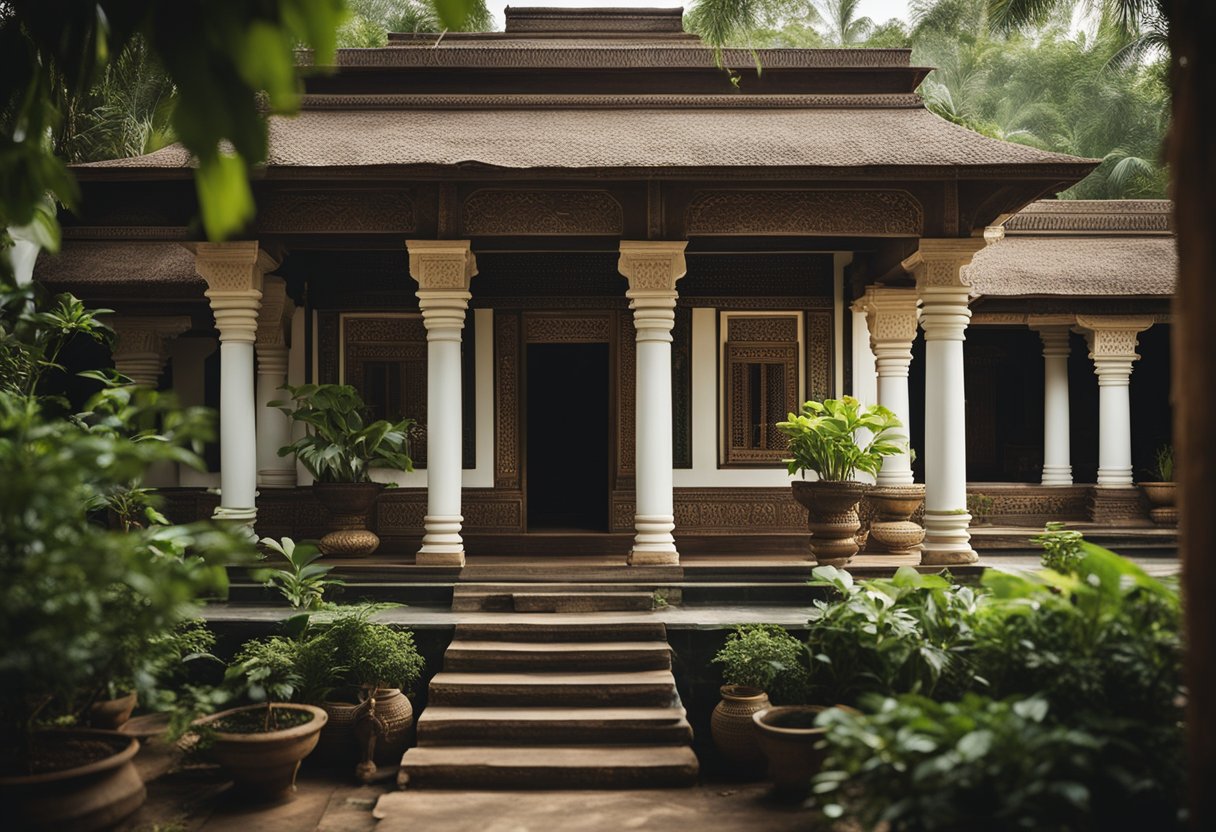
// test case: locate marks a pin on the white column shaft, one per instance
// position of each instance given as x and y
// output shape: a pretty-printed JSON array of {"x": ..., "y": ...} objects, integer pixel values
[
  {"x": 1114, "y": 423},
  {"x": 655, "y": 509},
  {"x": 238, "y": 437},
  {"x": 893, "y": 395},
  {"x": 273, "y": 426},
  {"x": 1057, "y": 462}
]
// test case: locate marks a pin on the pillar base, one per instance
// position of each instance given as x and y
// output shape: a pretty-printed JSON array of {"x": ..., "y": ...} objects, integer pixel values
[
  {"x": 427, "y": 557},
  {"x": 654, "y": 545},
  {"x": 947, "y": 541},
  {"x": 442, "y": 544},
  {"x": 651, "y": 557},
  {"x": 1118, "y": 506},
  {"x": 240, "y": 520},
  {"x": 1057, "y": 475}
]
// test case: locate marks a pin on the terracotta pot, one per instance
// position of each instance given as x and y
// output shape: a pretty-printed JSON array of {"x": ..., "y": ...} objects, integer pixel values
[
  {"x": 832, "y": 518},
  {"x": 1159, "y": 493},
  {"x": 157, "y": 756},
  {"x": 350, "y": 506},
  {"x": 383, "y": 731},
  {"x": 790, "y": 748},
  {"x": 110, "y": 714},
  {"x": 337, "y": 745},
  {"x": 264, "y": 765},
  {"x": 731, "y": 724},
  {"x": 896, "y": 502},
  {"x": 93, "y": 796}
]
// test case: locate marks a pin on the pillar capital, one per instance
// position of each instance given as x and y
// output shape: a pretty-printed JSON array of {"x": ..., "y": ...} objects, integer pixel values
[
  {"x": 234, "y": 273},
  {"x": 892, "y": 316},
  {"x": 141, "y": 349},
  {"x": 441, "y": 265},
  {"x": 1053, "y": 332},
  {"x": 652, "y": 268},
  {"x": 274, "y": 316},
  {"x": 1112, "y": 343},
  {"x": 942, "y": 285}
]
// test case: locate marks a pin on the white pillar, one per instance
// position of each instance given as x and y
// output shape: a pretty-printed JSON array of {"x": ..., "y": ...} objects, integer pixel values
[
  {"x": 1112, "y": 346},
  {"x": 234, "y": 273},
  {"x": 273, "y": 426},
  {"x": 652, "y": 269},
  {"x": 892, "y": 317},
  {"x": 142, "y": 348},
  {"x": 444, "y": 270},
  {"x": 189, "y": 356},
  {"x": 865, "y": 373},
  {"x": 1057, "y": 462},
  {"x": 944, "y": 295}
]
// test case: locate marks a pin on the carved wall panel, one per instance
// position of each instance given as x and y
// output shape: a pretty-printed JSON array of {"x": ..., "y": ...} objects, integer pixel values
[
  {"x": 540, "y": 328},
  {"x": 725, "y": 511},
  {"x": 497, "y": 212},
  {"x": 329, "y": 212},
  {"x": 506, "y": 404},
  {"x": 763, "y": 328},
  {"x": 804, "y": 213},
  {"x": 819, "y": 364}
]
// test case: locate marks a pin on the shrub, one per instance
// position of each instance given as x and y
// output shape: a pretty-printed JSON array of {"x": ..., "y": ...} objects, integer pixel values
[
  {"x": 765, "y": 656},
  {"x": 823, "y": 438}
]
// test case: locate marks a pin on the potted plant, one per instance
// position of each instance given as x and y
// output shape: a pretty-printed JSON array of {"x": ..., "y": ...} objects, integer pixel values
[
  {"x": 791, "y": 742},
  {"x": 1160, "y": 492},
  {"x": 262, "y": 745},
  {"x": 823, "y": 440},
  {"x": 339, "y": 449},
  {"x": 758, "y": 661},
  {"x": 76, "y": 591}
]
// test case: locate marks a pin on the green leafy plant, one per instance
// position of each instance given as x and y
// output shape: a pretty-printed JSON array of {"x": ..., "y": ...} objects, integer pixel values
[
  {"x": 373, "y": 655},
  {"x": 265, "y": 671},
  {"x": 338, "y": 445},
  {"x": 1163, "y": 464},
  {"x": 302, "y": 582},
  {"x": 915, "y": 765},
  {"x": 767, "y": 657},
  {"x": 1062, "y": 547},
  {"x": 980, "y": 506},
  {"x": 823, "y": 438},
  {"x": 907, "y": 634}
]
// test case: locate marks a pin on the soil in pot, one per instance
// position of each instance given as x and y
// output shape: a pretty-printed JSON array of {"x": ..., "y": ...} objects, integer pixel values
[
  {"x": 263, "y": 764},
  {"x": 82, "y": 780}
]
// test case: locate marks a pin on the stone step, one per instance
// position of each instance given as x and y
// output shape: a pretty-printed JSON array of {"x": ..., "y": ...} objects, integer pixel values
[
  {"x": 489, "y": 656},
  {"x": 644, "y": 688},
  {"x": 534, "y": 572},
  {"x": 500, "y": 597},
  {"x": 584, "y": 602},
  {"x": 440, "y": 725},
  {"x": 577, "y": 628},
  {"x": 548, "y": 767}
]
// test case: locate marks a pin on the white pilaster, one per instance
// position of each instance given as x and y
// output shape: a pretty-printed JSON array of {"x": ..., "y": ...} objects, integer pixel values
[
  {"x": 1057, "y": 461},
  {"x": 652, "y": 269},
  {"x": 272, "y": 347},
  {"x": 1112, "y": 346},
  {"x": 892, "y": 317},
  {"x": 234, "y": 273},
  {"x": 944, "y": 295},
  {"x": 142, "y": 347},
  {"x": 444, "y": 270}
]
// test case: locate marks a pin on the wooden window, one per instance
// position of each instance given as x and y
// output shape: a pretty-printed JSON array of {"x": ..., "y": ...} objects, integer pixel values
[{"x": 762, "y": 372}]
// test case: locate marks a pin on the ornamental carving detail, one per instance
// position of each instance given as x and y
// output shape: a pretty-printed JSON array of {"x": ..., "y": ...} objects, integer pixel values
[
  {"x": 875, "y": 213},
  {"x": 495, "y": 212},
  {"x": 819, "y": 350},
  {"x": 553, "y": 329},
  {"x": 351, "y": 212},
  {"x": 506, "y": 395},
  {"x": 763, "y": 328}
]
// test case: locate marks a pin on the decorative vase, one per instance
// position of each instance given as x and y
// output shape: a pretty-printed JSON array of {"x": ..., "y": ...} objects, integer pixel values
[
  {"x": 731, "y": 724},
  {"x": 1161, "y": 496},
  {"x": 110, "y": 714},
  {"x": 96, "y": 795},
  {"x": 892, "y": 530},
  {"x": 337, "y": 746},
  {"x": 383, "y": 731},
  {"x": 787, "y": 735},
  {"x": 350, "y": 506},
  {"x": 832, "y": 518},
  {"x": 263, "y": 764}
]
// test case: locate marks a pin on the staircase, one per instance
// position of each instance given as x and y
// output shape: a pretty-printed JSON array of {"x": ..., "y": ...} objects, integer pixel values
[{"x": 573, "y": 691}]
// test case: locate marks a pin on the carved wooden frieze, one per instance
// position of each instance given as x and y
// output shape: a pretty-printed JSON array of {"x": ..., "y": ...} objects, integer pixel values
[
  {"x": 496, "y": 212},
  {"x": 506, "y": 397},
  {"x": 349, "y": 212},
  {"x": 710, "y": 511},
  {"x": 804, "y": 213},
  {"x": 564, "y": 329}
]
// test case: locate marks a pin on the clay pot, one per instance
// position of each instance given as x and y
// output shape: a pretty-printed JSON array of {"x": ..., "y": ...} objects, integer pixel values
[
  {"x": 787, "y": 735},
  {"x": 337, "y": 745},
  {"x": 1162, "y": 497},
  {"x": 94, "y": 796},
  {"x": 110, "y": 714},
  {"x": 731, "y": 724},
  {"x": 892, "y": 530},
  {"x": 383, "y": 731},
  {"x": 832, "y": 518},
  {"x": 350, "y": 506},
  {"x": 264, "y": 765}
]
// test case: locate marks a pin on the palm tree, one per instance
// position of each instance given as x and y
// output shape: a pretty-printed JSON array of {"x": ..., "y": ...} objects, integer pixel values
[
  {"x": 844, "y": 27},
  {"x": 372, "y": 20}
]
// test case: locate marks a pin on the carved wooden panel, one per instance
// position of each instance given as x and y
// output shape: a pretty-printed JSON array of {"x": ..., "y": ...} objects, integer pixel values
[
  {"x": 341, "y": 212},
  {"x": 497, "y": 212},
  {"x": 541, "y": 328},
  {"x": 819, "y": 363},
  {"x": 725, "y": 511},
  {"x": 804, "y": 213},
  {"x": 681, "y": 389},
  {"x": 761, "y": 388},
  {"x": 762, "y": 328},
  {"x": 506, "y": 395},
  {"x": 627, "y": 390}
]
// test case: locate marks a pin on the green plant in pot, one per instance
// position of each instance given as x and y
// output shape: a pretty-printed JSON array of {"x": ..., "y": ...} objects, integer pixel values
[
  {"x": 823, "y": 440},
  {"x": 262, "y": 745},
  {"x": 339, "y": 449},
  {"x": 758, "y": 661},
  {"x": 1160, "y": 490}
]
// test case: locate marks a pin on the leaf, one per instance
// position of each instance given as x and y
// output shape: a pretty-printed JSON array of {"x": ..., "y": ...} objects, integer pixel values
[{"x": 224, "y": 195}]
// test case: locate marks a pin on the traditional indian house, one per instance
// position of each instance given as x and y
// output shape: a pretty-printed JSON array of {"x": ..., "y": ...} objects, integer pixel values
[{"x": 597, "y": 271}]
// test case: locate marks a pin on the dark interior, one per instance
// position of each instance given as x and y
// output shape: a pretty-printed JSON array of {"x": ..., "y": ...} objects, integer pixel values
[{"x": 568, "y": 432}]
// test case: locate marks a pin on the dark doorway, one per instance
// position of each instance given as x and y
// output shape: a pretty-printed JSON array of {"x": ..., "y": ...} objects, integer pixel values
[{"x": 567, "y": 436}]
